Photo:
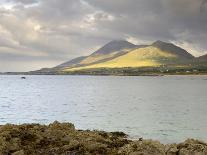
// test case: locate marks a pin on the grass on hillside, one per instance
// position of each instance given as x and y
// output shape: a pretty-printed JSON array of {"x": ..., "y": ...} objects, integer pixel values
[{"x": 142, "y": 57}]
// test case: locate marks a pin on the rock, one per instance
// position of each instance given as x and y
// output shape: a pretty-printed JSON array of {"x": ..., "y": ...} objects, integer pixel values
[
  {"x": 140, "y": 139},
  {"x": 62, "y": 126},
  {"x": 119, "y": 134},
  {"x": 63, "y": 139},
  {"x": 192, "y": 147},
  {"x": 21, "y": 152},
  {"x": 171, "y": 149},
  {"x": 145, "y": 147}
]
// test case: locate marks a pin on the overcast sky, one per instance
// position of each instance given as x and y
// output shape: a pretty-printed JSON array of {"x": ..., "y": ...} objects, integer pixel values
[{"x": 44, "y": 33}]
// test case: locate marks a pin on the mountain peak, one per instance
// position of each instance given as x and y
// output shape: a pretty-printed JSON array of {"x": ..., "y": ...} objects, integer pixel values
[
  {"x": 115, "y": 45},
  {"x": 160, "y": 43},
  {"x": 169, "y": 47},
  {"x": 203, "y": 57},
  {"x": 119, "y": 42}
]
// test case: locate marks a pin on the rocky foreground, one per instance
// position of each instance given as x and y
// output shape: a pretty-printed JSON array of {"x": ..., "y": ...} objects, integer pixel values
[{"x": 63, "y": 139}]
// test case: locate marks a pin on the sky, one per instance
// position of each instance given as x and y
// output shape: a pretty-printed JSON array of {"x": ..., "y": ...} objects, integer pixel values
[{"x": 36, "y": 34}]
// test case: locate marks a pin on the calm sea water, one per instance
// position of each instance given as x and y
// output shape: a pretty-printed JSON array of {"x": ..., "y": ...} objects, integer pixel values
[{"x": 168, "y": 108}]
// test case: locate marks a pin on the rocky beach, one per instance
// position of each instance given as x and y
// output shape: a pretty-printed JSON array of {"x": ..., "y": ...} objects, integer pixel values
[{"x": 63, "y": 139}]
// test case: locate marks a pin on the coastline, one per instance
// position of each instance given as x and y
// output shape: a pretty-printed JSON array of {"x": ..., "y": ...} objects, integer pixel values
[
  {"x": 59, "y": 74},
  {"x": 62, "y": 138}
]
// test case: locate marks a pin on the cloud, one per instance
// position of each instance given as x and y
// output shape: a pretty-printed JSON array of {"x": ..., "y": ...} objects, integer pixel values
[
  {"x": 55, "y": 31},
  {"x": 24, "y": 1},
  {"x": 203, "y": 7}
]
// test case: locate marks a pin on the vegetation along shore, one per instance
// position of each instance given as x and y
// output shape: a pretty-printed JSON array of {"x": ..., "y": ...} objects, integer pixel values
[{"x": 63, "y": 139}]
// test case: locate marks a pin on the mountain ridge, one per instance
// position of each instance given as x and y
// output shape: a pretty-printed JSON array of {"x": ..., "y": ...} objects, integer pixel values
[
  {"x": 115, "y": 45},
  {"x": 122, "y": 54},
  {"x": 203, "y": 57},
  {"x": 109, "y": 51},
  {"x": 157, "y": 51},
  {"x": 170, "y": 47}
]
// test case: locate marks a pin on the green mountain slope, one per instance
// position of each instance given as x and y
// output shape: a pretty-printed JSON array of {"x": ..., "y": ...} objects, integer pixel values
[
  {"x": 110, "y": 51},
  {"x": 155, "y": 55},
  {"x": 171, "y": 48},
  {"x": 72, "y": 62},
  {"x": 123, "y": 58}
]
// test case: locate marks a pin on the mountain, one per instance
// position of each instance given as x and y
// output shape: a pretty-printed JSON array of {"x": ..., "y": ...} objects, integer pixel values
[
  {"x": 203, "y": 58},
  {"x": 120, "y": 54},
  {"x": 71, "y": 62},
  {"x": 114, "y": 46},
  {"x": 169, "y": 47},
  {"x": 110, "y": 51},
  {"x": 157, "y": 54}
]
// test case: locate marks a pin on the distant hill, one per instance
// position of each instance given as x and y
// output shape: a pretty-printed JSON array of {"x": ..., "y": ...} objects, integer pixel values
[
  {"x": 71, "y": 62},
  {"x": 169, "y": 47},
  {"x": 203, "y": 58},
  {"x": 114, "y": 46},
  {"x": 154, "y": 55},
  {"x": 109, "y": 51},
  {"x": 122, "y": 54}
]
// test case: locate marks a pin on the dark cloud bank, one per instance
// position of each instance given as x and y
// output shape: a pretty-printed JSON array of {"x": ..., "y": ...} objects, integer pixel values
[{"x": 44, "y": 33}]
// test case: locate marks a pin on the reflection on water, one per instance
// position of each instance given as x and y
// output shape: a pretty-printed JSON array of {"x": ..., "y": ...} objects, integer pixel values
[{"x": 169, "y": 108}]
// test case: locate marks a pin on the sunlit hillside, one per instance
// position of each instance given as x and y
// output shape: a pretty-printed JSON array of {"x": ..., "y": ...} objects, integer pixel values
[
  {"x": 141, "y": 57},
  {"x": 101, "y": 57},
  {"x": 108, "y": 52},
  {"x": 122, "y": 57}
]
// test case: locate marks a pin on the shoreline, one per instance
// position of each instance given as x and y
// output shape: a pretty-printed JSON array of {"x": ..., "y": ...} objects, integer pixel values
[
  {"x": 62, "y": 138},
  {"x": 147, "y": 75}
]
